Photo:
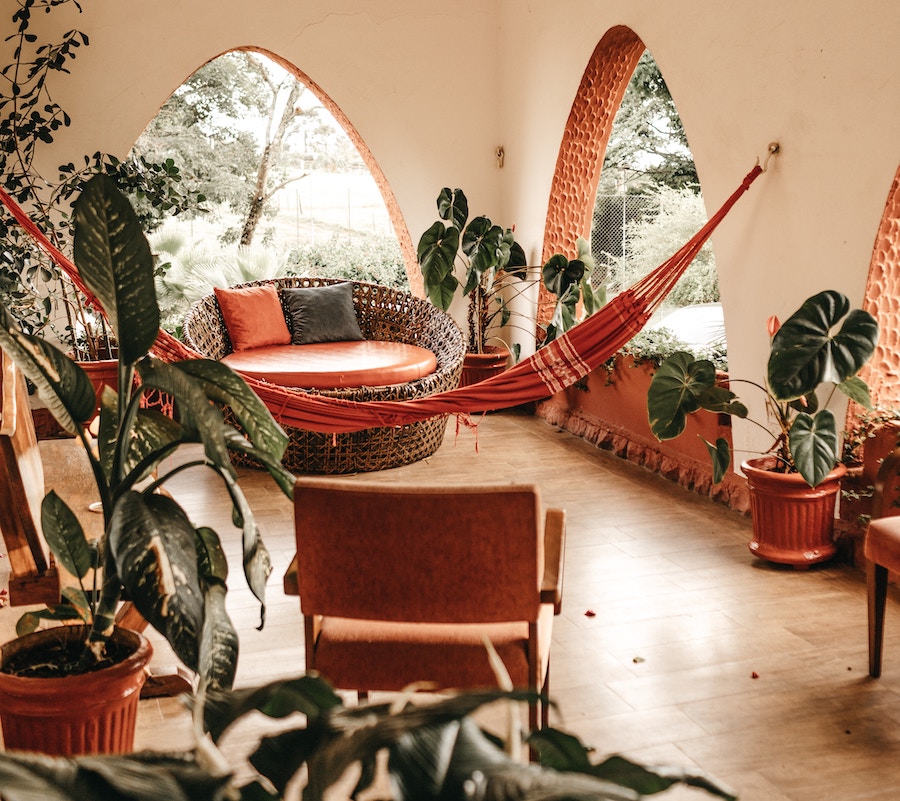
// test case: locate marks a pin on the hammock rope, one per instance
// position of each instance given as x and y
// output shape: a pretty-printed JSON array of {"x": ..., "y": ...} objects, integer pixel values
[{"x": 552, "y": 368}]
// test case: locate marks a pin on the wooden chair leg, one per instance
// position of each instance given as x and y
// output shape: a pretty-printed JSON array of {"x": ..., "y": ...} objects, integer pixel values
[
  {"x": 545, "y": 704},
  {"x": 876, "y": 581}
]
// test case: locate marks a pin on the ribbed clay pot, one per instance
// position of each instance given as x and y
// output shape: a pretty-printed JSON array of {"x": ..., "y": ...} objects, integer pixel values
[
  {"x": 793, "y": 523},
  {"x": 91, "y": 713},
  {"x": 479, "y": 366}
]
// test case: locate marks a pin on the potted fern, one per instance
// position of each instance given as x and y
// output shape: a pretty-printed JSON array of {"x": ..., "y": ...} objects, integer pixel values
[
  {"x": 818, "y": 350},
  {"x": 173, "y": 573}
]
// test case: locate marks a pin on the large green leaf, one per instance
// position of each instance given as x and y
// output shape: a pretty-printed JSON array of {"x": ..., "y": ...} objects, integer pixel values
[
  {"x": 221, "y": 384},
  {"x": 436, "y": 253},
  {"x": 805, "y": 351},
  {"x": 139, "y": 777},
  {"x": 114, "y": 259},
  {"x": 310, "y": 695},
  {"x": 487, "y": 247},
  {"x": 152, "y": 437},
  {"x": 61, "y": 383},
  {"x": 813, "y": 442},
  {"x": 720, "y": 454},
  {"x": 195, "y": 412},
  {"x": 453, "y": 206},
  {"x": 675, "y": 392},
  {"x": 152, "y": 543},
  {"x": 65, "y": 536}
]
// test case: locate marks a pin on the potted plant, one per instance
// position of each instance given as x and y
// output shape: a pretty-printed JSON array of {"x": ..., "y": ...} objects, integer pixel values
[
  {"x": 820, "y": 347},
  {"x": 434, "y": 751},
  {"x": 173, "y": 573},
  {"x": 490, "y": 259}
]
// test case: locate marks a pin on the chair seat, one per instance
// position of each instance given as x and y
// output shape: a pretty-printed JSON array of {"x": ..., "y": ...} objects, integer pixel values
[
  {"x": 882, "y": 544},
  {"x": 379, "y": 655}
]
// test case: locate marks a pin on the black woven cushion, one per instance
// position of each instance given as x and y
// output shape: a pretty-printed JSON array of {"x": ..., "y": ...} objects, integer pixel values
[{"x": 321, "y": 314}]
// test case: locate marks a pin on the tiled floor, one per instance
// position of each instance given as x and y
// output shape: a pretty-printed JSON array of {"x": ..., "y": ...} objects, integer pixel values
[{"x": 675, "y": 645}]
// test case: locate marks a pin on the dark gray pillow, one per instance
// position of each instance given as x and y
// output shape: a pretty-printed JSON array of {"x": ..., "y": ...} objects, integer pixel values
[{"x": 321, "y": 314}]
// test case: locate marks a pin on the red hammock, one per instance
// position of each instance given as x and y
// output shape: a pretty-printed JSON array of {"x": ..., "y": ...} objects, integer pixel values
[{"x": 555, "y": 366}]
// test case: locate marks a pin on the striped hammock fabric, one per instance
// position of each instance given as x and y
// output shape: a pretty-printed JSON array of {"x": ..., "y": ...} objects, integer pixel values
[{"x": 552, "y": 368}]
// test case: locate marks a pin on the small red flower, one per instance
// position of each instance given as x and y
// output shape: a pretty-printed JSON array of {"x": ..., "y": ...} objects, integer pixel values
[
  {"x": 773, "y": 324},
  {"x": 590, "y": 613}
]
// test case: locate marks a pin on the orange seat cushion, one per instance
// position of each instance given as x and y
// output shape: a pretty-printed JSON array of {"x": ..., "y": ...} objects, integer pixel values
[
  {"x": 379, "y": 655},
  {"x": 333, "y": 365}
]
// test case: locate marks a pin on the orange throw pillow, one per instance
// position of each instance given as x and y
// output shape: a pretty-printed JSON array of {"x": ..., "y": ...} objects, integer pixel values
[{"x": 253, "y": 316}]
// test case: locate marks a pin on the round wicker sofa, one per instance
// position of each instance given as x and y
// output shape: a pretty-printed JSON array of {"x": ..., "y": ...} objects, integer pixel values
[{"x": 383, "y": 314}]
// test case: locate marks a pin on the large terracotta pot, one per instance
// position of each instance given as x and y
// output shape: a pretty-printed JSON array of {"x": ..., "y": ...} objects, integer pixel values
[
  {"x": 102, "y": 373},
  {"x": 479, "y": 366},
  {"x": 793, "y": 523},
  {"x": 92, "y": 713}
]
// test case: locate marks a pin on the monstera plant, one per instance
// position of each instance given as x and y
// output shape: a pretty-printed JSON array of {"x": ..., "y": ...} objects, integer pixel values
[
  {"x": 820, "y": 348},
  {"x": 150, "y": 552}
]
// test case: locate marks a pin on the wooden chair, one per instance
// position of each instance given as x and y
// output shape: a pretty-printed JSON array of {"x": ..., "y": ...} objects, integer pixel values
[
  {"x": 32, "y": 580},
  {"x": 882, "y": 551},
  {"x": 403, "y": 584}
]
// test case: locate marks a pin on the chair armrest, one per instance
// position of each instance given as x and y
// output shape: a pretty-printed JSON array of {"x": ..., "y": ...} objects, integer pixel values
[{"x": 554, "y": 558}]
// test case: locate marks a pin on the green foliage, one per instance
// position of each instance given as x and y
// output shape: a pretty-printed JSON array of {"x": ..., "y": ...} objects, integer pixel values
[
  {"x": 173, "y": 573},
  {"x": 435, "y": 752},
  {"x": 647, "y": 136},
  {"x": 187, "y": 272},
  {"x": 652, "y": 239},
  {"x": 823, "y": 344},
  {"x": 356, "y": 257},
  {"x": 29, "y": 118}
]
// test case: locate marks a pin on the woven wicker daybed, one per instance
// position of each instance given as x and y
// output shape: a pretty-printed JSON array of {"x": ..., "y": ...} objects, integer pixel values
[{"x": 382, "y": 314}]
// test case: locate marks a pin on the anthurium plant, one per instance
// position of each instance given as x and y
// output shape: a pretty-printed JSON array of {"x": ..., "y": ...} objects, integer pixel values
[
  {"x": 173, "y": 572},
  {"x": 820, "y": 348},
  {"x": 435, "y": 752},
  {"x": 489, "y": 256}
]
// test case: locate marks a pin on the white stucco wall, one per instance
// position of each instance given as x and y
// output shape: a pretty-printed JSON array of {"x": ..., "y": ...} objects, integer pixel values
[{"x": 433, "y": 88}]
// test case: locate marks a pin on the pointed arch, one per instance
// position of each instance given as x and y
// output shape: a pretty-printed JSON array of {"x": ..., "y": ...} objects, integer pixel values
[
  {"x": 586, "y": 136},
  {"x": 882, "y": 300}
]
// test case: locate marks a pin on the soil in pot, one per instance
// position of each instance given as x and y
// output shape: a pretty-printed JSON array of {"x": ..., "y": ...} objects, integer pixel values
[{"x": 89, "y": 713}]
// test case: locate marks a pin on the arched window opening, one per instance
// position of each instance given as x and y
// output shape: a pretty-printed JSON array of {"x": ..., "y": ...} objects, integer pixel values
[
  {"x": 648, "y": 204},
  {"x": 288, "y": 186}
]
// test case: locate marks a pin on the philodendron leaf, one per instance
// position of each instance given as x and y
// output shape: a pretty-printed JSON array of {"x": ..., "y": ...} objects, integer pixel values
[
  {"x": 65, "y": 536},
  {"x": 857, "y": 390},
  {"x": 114, "y": 259},
  {"x": 805, "y": 352},
  {"x": 283, "y": 478},
  {"x": 436, "y": 253},
  {"x": 152, "y": 543},
  {"x": 676, "y": 391},
  {"x": 61, "y": 383},
  {"x": 813, "y": 442},
  {"x": 720, "y": 453},
  {"x": 453, "y": 206},
  {"x": 59, "y": 613},
  {"x": 219, "y": 643}
]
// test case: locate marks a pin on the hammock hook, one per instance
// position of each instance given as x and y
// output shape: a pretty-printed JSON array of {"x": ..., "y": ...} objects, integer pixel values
[{"x": 773, "y": 149}]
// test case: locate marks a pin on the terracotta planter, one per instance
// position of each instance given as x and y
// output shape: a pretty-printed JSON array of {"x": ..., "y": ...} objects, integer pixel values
[
  {"x": 793, "y": 523},
  {"x": 102, "y": 373},
  {"x": 94, "y": 713},
  {"x": 479, "y": 366}
]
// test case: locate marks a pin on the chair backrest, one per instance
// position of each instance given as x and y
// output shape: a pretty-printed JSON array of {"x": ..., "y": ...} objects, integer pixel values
[
  {"x": 379, "y": 551},
  {"x": 21, "y": 492}
]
